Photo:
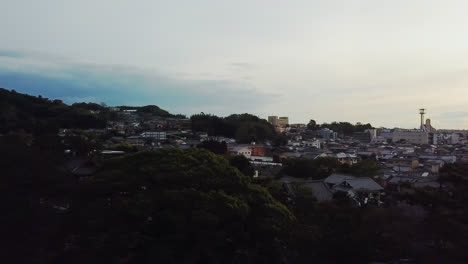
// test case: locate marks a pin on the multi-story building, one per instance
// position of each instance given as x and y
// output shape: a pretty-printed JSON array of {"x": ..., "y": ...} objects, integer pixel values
[
  {"x": 273, "y": 120},
  {"x": 283, "y": 121},
  {"x": 364, "y": 137},
  {"x": 411, "y": 136},
  {"x": 327, "y": 134},
  {"x": 159, "y": 135},
  {"x": 278, "y": 121}
]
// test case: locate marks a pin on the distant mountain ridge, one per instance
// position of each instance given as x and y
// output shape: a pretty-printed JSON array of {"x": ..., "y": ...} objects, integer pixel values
[{"x": 38, "y": 115}]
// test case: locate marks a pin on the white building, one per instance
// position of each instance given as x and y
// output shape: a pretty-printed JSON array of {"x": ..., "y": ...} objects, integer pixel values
[
  {"x": 261, "y": 158},
  {"x": 245, "y": 151},
  {"x": 159, "y": 135},
  {"x": 314, "y": 143},
  {"x": 411, "y": 136}
]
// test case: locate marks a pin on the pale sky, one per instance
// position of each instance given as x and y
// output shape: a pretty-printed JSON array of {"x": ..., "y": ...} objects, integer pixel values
[{"x": 375, "y": 61}]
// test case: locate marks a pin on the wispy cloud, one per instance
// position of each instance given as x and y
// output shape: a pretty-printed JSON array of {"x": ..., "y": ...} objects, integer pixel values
[
  {"x": 241, "y": 65},
  {"x": 116, "y": 84},
  {"x": 454, "y": 115},
  {"x": 10, "y": 54}
]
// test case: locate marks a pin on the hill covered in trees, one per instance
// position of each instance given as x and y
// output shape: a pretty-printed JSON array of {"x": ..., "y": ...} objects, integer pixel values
[
  {"x": 192, "y": 206},
  {"x": 342, "y": 128},
  {"x": 245, "y": 128},
  {"x": 38, "y": 115}
]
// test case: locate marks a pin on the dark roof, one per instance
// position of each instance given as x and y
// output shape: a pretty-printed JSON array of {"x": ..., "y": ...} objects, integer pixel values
[
  {"x": 337, "y": 178},
  {"x": 320, "y": 189},
  {"x": 363, "y": 183},
  {"x": 81, "y": 166}
]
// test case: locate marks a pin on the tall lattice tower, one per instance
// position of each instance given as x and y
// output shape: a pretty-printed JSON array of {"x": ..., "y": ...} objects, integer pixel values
[{"x": 422, "y": 111}]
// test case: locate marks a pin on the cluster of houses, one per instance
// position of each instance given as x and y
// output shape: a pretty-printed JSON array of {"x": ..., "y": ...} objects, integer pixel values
[{"x": 405, "y": 157}]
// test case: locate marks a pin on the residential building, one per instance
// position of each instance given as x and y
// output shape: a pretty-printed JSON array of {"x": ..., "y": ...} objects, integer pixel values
[
  {"x": 283, "y": 121},
  {"x": 327, "y": 134},
  {"x": 364, "y": 137},
  {"x": 258, "y": 151},
  {"x": 360, "y": 189},
  {"x": 416, "y": 136},
  {"x": 313, "y": 144},
  {"x": 158, "y": 135},
  {"x": 241, "y": 150},
  {"x": 278, "y": 121},
  {"x": 273, "y": 120},
  {"x": 403, "y": 164}
]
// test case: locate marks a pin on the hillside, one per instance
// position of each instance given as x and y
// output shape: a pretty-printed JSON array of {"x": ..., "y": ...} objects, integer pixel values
[{"x": 38, "y": 115}]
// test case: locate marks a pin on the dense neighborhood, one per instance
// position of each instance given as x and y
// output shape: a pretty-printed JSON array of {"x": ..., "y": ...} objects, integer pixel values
[{"x": 128, "y": 179}]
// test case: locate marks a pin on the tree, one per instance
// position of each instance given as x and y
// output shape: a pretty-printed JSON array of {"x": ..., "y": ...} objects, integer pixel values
[
  {"x": 82, "y": 143},
  {"x": 243, "y": 164},
  {"x": 312, "y": 125},
  {"x": 280, "y": 140},
  {"x": 214, "y": 146},
  {"x": 125, "y": 146},
  {"x": 178, "y": 206},
  {"x": 245, "y": 128},
  {"x": 307, "y": 168},
  {"x": 364, "y": 168}
]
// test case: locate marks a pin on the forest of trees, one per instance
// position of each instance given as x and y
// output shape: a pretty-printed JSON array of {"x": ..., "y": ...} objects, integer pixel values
[
  {"x": 195, "y": 206},
  {"x": 21, "y": 112},
  {"x": 38, "y": 115},
  {"x": 245, "y": 128},
  {"x": 152, "y": 110},
  {"x": 321, "y": 168},
  {"x": 342, "y": 128}
]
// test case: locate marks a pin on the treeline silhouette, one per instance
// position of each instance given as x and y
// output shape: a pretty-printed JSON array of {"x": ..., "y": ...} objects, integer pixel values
[{"x": 245, "y": 128}]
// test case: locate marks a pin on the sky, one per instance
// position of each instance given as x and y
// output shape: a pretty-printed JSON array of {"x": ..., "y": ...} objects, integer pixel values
[{"x": 369, "y": 61}]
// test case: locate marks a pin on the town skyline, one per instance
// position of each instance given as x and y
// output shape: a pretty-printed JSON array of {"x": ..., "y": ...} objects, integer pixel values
[{"x": 328, "y": 60}]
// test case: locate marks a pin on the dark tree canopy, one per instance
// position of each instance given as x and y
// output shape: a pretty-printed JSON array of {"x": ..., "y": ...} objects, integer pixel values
[
  {"x": 312, "y": 125},
  {"x": 245, "y": 128},
  {"x": 310, "y": 168},
  {"x": 346, "y": 128},
  {"x": 89, "y": 106},
  {"x": 151, "y": 110},
  {"x": 193, "y": 206},
  {"x": 214, "y": 146},
  {"x": 179, "y": 206},
  {"x": 243, "y": 164},
  {"x": 42, "y": 116}
]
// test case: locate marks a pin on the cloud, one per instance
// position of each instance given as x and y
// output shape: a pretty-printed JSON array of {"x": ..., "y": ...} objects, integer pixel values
[
  {"x": 72, "y": 81},
  {"x": 10, "y": 54},
  {"x": 454, "y": 115},
  {"x": 241, "y": 65}
]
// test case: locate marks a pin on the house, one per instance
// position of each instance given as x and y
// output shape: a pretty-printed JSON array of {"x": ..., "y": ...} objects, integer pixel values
[
  {"x": 158, "y": 135},
  {"x": 82, "y": 167},
  {"x": 347, "y": 158},
  {"x": 403, "y": 162},
  {"x": 314, "y": 143},
  {"x": 258, "y": 150},
  {"x": 435, "y": 165},
  {"x": 361, "y": 189},
  {"x": 341, "y": 157},
  {"x": 135, "y": 141},
  {"x": 319, "y": 188},
  {"x": 241, "y": 150}
]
